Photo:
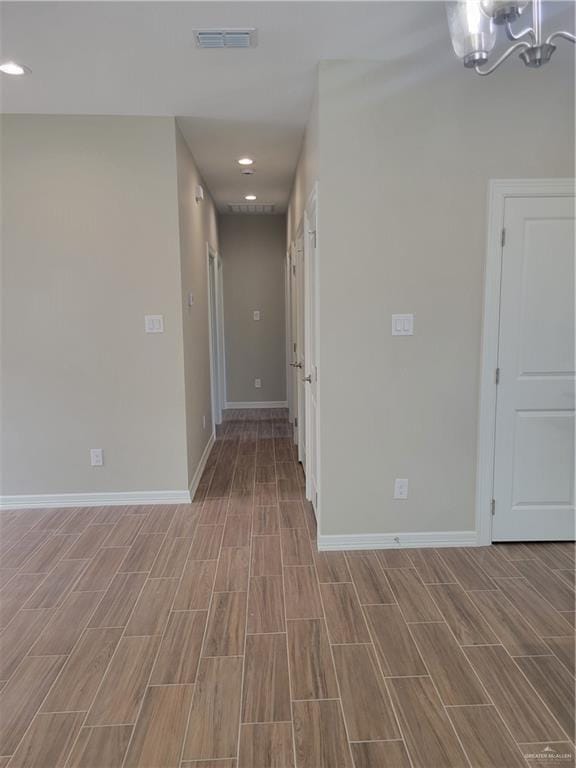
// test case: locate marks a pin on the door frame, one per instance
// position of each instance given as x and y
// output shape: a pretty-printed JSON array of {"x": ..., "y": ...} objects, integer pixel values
[
  {"x": 216, "y": 335},
  {"x": 299, "y": 261},
  {"x": 498, "y": 191}
]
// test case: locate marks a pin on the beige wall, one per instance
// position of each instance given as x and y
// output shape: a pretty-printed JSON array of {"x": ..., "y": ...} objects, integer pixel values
[
  {"x": 89, "y": 246},
  {"x": 253, "y": 250},
  {"x": 198, "y": 227},
  {"x": 406, "y": 154}
]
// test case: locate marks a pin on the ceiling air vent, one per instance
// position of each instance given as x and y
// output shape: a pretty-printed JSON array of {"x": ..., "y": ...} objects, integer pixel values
[
  {"x": 251, "y": 208},
  {"x": 225, "y": 38}
]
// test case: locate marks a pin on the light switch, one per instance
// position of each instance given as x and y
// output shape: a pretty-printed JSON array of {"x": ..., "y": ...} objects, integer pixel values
[
  {"x": 257, "y": 383},
  {"x": 154, "y": 323},
  {"x": 402, "y": 325},
  {"x": 256, "y": 314},
  {"x": 401, "y": 488}
]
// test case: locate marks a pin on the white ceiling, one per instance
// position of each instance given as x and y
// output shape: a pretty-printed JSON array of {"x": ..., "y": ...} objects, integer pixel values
[{"x": 139, "y": 58}]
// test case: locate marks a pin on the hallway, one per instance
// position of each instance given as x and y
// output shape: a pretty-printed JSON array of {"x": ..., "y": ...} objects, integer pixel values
[{"x": 200, "y": 636}]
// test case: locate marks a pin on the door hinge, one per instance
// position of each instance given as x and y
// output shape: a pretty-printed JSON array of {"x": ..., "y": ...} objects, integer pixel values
[
  {"x": 503, "y": 237},
  {"x": 316, "y": 500},
  {"x": 497, "y": 376},
  {"x": 294, "y": 345},
  {"x": 313, "y": 234},
  {"x": 296, "y": 421},
  {"x": 493, "y": 506},
  {"x": 293, "y": 269}
]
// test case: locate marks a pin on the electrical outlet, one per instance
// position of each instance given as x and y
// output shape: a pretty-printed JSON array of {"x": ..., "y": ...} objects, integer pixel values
[
  {"x": 400, "y": 488},
  {"x": 256, "y": 314},
  {"x": 258, "y": 383},
  {"x": 96, "y": 457}
]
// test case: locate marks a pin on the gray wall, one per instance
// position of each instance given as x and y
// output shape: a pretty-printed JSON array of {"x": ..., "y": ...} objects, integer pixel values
[
  {"x": 253, "y": 250},
  {"x": 406, "y": 152},
  {"x": 198, "y": 227},
  {"x": 89, "y": 246}
]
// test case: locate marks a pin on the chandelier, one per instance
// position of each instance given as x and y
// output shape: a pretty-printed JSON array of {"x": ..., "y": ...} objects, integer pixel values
[{"x": 474, "y": 24}]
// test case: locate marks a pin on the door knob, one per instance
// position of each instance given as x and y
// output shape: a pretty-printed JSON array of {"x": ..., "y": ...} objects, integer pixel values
[{"x": 308, "y": 379}]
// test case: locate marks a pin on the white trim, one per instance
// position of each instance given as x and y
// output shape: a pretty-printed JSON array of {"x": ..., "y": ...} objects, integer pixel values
[
  {"x": 123, "y": 498},
  {"x": 195, "y": 482},
  {"x": 498, "y": 191},
  {"x": 216, "y": 335},
  {"x": 257, "y": 404},
  {"x": 398, "y": 540}
]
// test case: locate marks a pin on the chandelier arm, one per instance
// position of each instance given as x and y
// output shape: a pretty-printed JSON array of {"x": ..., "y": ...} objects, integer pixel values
[
  {"x": 562, "y": 33},
  {"x": 502, "y": 58},
  {"x": 511, "y": 35}
]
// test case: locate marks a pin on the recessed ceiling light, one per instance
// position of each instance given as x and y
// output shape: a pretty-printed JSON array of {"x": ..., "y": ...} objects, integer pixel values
[
  {"x": 250, "y": 197},
  {"x": 245, "y": 161},
  {"x": 11, "y": 68}
]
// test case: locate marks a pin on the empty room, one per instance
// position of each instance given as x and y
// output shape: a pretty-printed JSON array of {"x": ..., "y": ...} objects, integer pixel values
[{"x": 287, "y": 384}]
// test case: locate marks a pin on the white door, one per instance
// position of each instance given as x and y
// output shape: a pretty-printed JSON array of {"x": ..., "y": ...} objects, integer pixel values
[
  {"x": 216, "y": 331},
  {"x": 534, "y": 450},
  {"x": 311, "y": 352},
  {"x": 300, "y": 356}
]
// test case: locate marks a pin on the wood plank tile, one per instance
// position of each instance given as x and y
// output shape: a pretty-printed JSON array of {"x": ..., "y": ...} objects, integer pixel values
[
  {"x": 62, "y": 632},
  {"x": 22, "y": 696},
  {"x": 237, "y": 531},
  {"x": 100, "y": 747},
  {"x": 289, "y": 490},
  {"x": 485, "y": 738},
  {"x": 266, "y": 556},
  {"x": 45, "y": 557},
  {"x": 517, "y": 702},
  {"x": 568, "y": 576},
  {"x": 467, "y": 572},
  {"x": 344, "y": 616},
  {"x": 534, "y": 608},
  {"x": 15, "y": 594},
  {"x": 241, "y": 505},
  {"x": 564, "y": 650},
  {"x": 120, "y": 695},
  {"x": 171, "y": 559},
  {"x": 462, "y": 616},
  {"x": 393, "y": 642},
  {"x": 226, "y": 625},
  {"x": 429, "y": 736},
  {"x": 554, "y": 589},
  {"x": 554, "y": 686},
  {"x": 515, "y": 634},
  {"x": 209, "y": 764},
  {"x": 516, "y": 551},
  {"x": 380, "y": 754},
  {"x": 89, "y": 542},
  {"x": 195, "y": 586},
  {"x": 19, "y": 637},
  {"x": 265, "y": 495},
  {"x": 430, "y": 567},
  {"x": 179, "y": 653},
  {"x": 555, "y": 555},
  {"x": 265, "y": 474},
  {"x": 233, "y": 567},
  {"x": 320, "y": 735},
  {"x": 158, "y": 519},
  {"x": 124, "y": 531},
  {"x": 184, "y": 522},
  {"x": 412, "y": 596},
  {"x": 153, "y": 607},
  {"x": 311, "y": 666},
  {"x": 101, "y": 570},
  {"x": 106, "y": 515},
  {"x": 266, "y": 690},
  {"x": 331, "y": 567},
  {"x": 493, "y": 561},
  {"x": 142, "y": 553},
  {"x": 292, "y": 514},
  {"x": 119, "y": 599},
  {"x": 302, "y": 593},
  {"x": 83, "y": 672},
  {"x": 265, "y": 745},
  {"x": 296, "y": 549},
  {"x": 452, "y": 674},
  {"x": 57, "y": 584},
  {"x": 266, "y": 605},
  {"x": 17, "y": 555},
  {"x": 311, "y": 523},
  {"x": 370, "y": 580},
  {"x": 52, "y": 519},
  {"x": 265, "y": 521},
  {"x": 213, "y": 512},
  {"x": 394, "y": 558},
  {"x": 81, "y": 518},
  {"x": 48, "y": 741},
  {"x": 366, "y": 704},
  {"x": 206, "y": 542},
  {"x": 160, "y": 729},
  {"x": 213, "y": 727},
  {"x": 537, "y": 754}
]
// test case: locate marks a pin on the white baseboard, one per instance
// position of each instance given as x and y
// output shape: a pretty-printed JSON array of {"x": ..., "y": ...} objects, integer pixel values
[
  {"x": 201, "y": 465},
  {"x": 398, "y": 540},
  {"x": 258, "y": 404},
  {"x": 123, "y": 498}
]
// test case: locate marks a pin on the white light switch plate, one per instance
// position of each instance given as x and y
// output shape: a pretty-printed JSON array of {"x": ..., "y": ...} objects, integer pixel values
[
  {"x": 256, "y": 314},
  {"x": 257, "y": 383},
  {"x": 401, "y": 488},
  {"x": 154, "y": 323},
  {"x": 96, "y": 457},
  {"x": 402, "y": 325}
]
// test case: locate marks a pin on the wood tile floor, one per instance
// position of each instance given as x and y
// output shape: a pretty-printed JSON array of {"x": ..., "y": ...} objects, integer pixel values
[{"x": 214, "y": 635}]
